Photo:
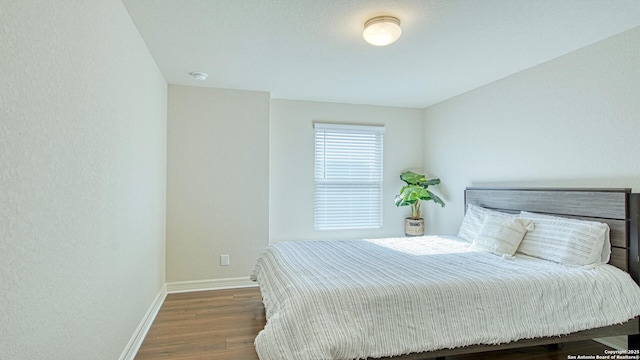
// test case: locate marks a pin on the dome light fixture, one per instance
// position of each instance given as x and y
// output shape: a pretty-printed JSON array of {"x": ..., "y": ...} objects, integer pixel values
[
  {"x": 382, "y": 30},
  {"x": 199, "y": 75}
]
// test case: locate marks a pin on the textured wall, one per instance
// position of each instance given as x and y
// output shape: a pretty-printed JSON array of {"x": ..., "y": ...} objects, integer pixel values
[
  {"x": 574, "y": 121},
  {"x": 217, "y": 181},
  {"x": 82, "y": 179},
  {"x": 292, "y": 164}
]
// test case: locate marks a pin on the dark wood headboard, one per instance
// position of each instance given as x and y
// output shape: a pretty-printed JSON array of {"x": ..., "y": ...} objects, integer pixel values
[{"x": 619, "y": 208}]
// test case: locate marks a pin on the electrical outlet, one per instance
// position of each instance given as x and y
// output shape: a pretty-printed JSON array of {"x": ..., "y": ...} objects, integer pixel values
[{"x": 224, "y": 260}]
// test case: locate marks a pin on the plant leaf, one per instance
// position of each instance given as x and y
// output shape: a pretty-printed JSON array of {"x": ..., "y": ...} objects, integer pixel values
[
  {"x": 416, "y": 190},
  {"x": 431, "y": 182},
  {"x": 436, "y": 199},
  {"x": 401, "y": 201},
  {"x": 412, "y": 178}
]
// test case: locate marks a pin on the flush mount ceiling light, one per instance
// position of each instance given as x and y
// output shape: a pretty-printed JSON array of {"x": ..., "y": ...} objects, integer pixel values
[
  {"x": 199, "y": 75},
  {"x": 382, "y": 30}
]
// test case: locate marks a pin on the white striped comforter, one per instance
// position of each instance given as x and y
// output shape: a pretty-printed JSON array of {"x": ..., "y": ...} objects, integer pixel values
[{"x": 385, "y": 297}]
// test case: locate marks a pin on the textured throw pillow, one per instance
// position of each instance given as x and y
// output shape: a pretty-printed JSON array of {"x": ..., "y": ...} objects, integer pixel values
[
  {"x": 566, "y": 241},
  {"x": 473, "y": 220},
  {"x": 501, "y": 235}
]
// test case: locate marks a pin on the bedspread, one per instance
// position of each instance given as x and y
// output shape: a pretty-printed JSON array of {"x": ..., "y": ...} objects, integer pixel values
[{"x": 386, "y": 297}]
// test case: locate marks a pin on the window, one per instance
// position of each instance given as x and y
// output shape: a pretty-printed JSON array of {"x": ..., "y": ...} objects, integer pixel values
[{"x": 348, "y": 177}]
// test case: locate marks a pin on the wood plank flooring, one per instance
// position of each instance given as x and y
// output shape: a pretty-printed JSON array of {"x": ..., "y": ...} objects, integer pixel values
[
  {"x": 218, "y": 324},
  {"x": 222, "y": 324}
]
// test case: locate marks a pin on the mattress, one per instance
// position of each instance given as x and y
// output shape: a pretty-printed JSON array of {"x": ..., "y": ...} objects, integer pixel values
[{"x": 386, "y": 297}]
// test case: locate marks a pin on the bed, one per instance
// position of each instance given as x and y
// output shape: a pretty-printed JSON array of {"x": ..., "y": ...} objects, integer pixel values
[{"x": 428, "y": 297}]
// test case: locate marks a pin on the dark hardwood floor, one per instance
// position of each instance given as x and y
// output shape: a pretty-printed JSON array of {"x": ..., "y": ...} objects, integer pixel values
[{"x": 222, "y": 324}]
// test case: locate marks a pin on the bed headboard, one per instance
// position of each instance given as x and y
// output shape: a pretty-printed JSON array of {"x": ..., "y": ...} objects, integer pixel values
[{"x": 619, "y": 208}]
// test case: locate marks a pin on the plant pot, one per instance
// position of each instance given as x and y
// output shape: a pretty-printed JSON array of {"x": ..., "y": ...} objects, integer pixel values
[{"x": 414, "y": 227}]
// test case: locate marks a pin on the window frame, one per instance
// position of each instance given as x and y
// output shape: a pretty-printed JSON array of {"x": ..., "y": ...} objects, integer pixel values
[{"x": 357, "y": 183}]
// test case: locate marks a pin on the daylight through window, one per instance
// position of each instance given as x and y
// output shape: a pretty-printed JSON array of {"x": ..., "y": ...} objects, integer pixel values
[{"x": 348, "y": 176}]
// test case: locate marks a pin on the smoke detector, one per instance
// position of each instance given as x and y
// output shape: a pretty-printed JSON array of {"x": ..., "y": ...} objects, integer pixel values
[{"x": 198, "y": 75}]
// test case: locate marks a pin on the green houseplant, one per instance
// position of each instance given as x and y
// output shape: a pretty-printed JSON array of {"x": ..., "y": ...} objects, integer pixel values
[{"x": 415, "y": 190}]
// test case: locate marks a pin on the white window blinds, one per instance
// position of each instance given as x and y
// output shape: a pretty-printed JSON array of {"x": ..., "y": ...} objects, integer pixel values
[{"x": 348, "y": 176}]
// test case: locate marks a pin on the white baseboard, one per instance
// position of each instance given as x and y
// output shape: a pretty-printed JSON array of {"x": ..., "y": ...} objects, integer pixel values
[
  {"x": 210, "y": 284},
  {"x": 615, "y": 342},
  {"x": 136, "y": 340}
]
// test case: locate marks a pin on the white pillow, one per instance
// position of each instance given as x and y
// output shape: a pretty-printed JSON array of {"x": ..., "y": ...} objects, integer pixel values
[
  {"x": 473, "y": 220},
  {"x": 501, "y": 235},
  {"x": 566, "y": 241}
]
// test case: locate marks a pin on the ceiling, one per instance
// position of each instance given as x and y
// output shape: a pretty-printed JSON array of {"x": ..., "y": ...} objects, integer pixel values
[{"x": 314, "y": 50}]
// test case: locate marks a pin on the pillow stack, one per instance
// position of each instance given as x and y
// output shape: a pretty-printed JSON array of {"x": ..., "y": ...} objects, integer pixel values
[{"x": 562, "y": 240}]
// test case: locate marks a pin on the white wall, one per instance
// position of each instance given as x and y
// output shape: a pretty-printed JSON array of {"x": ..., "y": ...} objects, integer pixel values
[
  {"x": 217, "y": 182},
  {"x": 82, "y": 179},
  {"x": 292, "y": 159},
  {"x": 574, "y": 121}
]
